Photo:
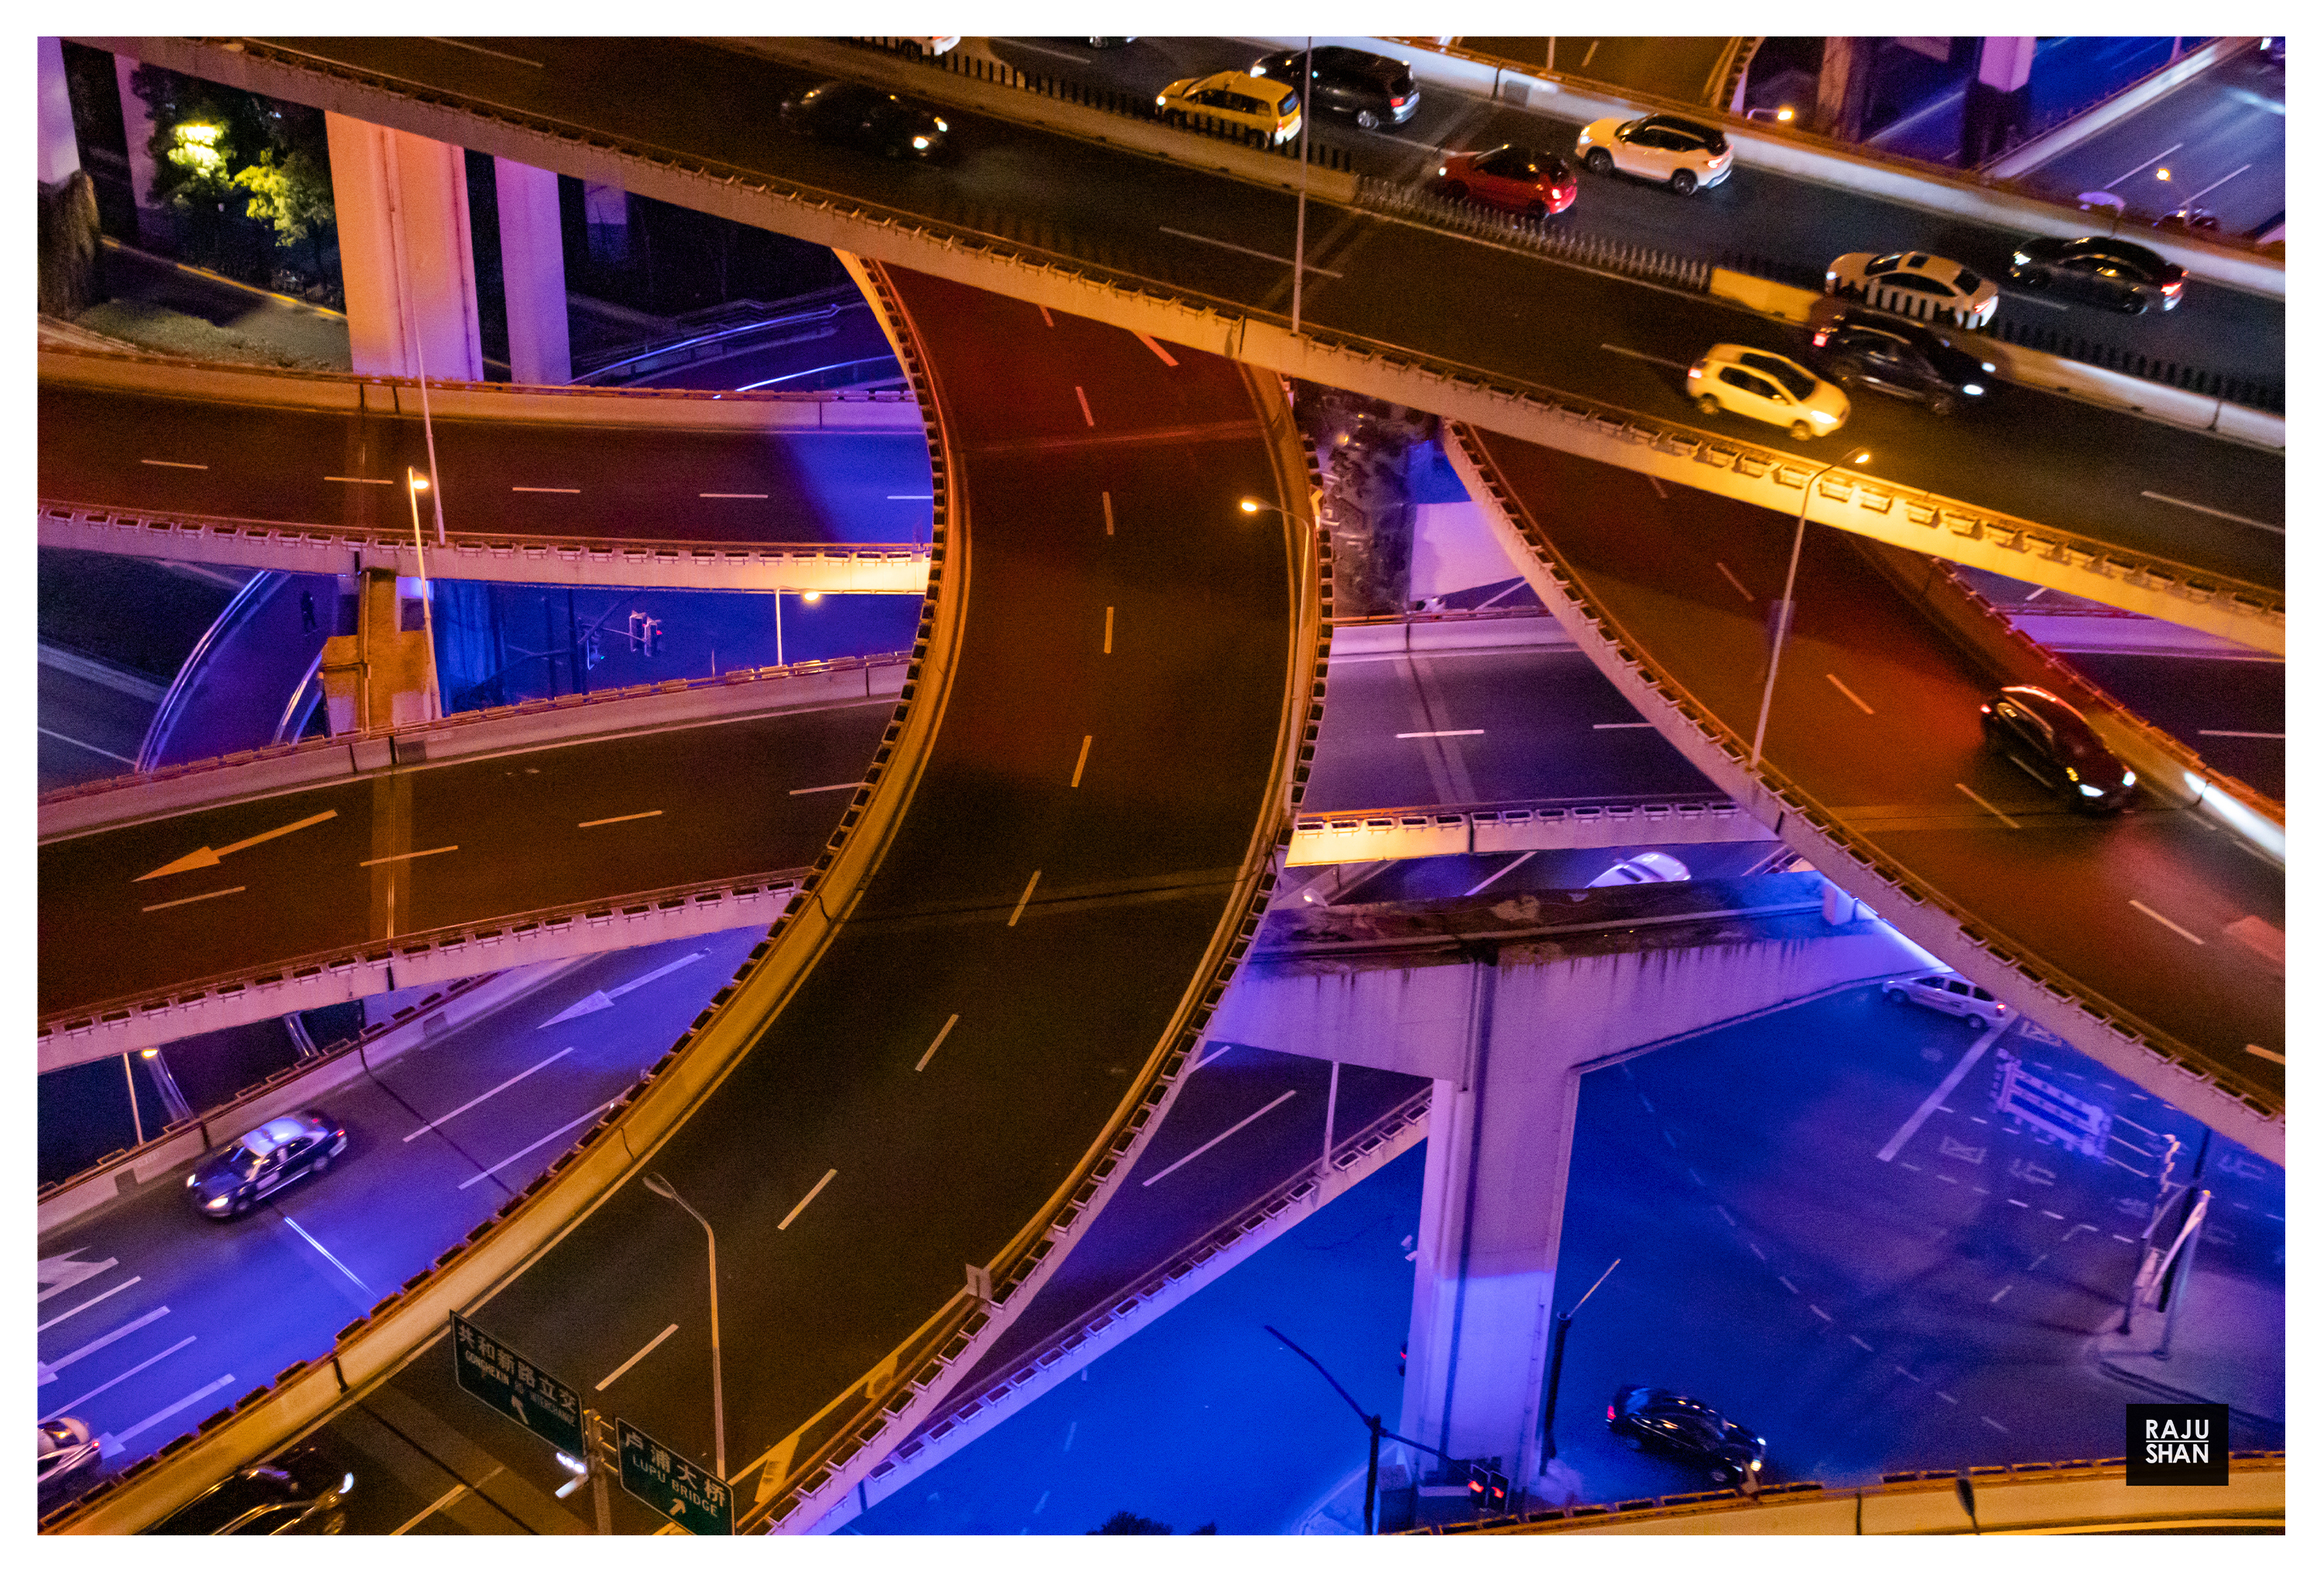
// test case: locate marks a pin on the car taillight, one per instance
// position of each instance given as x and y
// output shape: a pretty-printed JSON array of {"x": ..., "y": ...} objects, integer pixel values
[
  {"x": 2173, "y": 287},
  {"x": 1610, "y": 1414},
  {"x": 1821, "y": 340},
  {"x": 1400, "y": 103}
]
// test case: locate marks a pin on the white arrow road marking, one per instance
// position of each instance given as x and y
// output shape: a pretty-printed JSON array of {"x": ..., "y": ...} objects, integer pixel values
[
  {"x": 495, "y": 1091},
  {"x": 94, "y": 1392},
  {"x": 206, "y": 857},
  {"x": 59, "y": 1272},
  {"x": 604, "y": 999},
  {"x": 49, "y": 1368}
]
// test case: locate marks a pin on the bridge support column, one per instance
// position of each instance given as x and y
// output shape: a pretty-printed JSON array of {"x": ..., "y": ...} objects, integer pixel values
[
  {"x": 404, "y": 253},
  {"x": 532, "y": 273},
  {"x": 137, "y": 131},
  {"x": 60, "y": 149},
  {"x": 1998, "y": 98},
  {"x": 384, "y": 673}
]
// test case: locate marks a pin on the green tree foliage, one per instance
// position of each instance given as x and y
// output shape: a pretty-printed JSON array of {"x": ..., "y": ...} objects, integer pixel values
[
  {"x": 212, "y": 142},
  {"x": 288, "y": 192}
]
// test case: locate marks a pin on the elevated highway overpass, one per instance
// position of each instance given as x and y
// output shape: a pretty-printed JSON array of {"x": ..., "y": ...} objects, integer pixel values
[{"x": 2170, "y": 522}]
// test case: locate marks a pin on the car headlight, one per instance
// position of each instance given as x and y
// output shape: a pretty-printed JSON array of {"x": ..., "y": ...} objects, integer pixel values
[
  {"x": 1972, "y": 389},
  {"x": 1755, "y": 1467},
  {"x": 1694, "y": 374},
  {"x": 1162, "y": 98},
  {"x": 1822, "y": 418},
  {"x": 192, "y": 1182},
  {"x": 1443, "y": 170},
  {"x": 1987, "y": 366},
  {"x": 2020, "y": 258},
  {"x": 217, "y": 1202},
  {"x": 2129, "y": 779},
  {"x": 2088, "y": 790},
  {"x": 942, "y": 126},
  {"x": 921, "y": 142}
]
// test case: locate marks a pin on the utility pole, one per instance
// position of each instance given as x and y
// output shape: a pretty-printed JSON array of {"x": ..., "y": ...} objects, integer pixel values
[
  {"x": 1299, "y": 240},
  {"x": 1557, "y": 1366}
]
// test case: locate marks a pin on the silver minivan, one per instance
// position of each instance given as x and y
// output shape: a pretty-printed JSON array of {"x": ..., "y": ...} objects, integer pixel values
[{"x": 1945, "y": 990}]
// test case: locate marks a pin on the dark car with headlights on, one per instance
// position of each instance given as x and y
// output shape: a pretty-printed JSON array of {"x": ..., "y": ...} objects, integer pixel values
[
  {"x": 1516, "y": 179},
  {"x": 852, "y": 114},
  {"x": 1370, "y": 89},
  {"x": 299, "y": 1494},
  {"x": 2100, "y": 270},
  {"x": 1650, "y": 1418},
  {"x": 1857, "y": 346},
  {"x": 2047, "y": 737},
  {"x": 282, "y": 1150}
]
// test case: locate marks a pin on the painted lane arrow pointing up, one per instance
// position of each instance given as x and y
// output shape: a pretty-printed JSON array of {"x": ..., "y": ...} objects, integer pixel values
[
  {"x": 603, "y": 999},
  {"x": 206, "y": 857}
]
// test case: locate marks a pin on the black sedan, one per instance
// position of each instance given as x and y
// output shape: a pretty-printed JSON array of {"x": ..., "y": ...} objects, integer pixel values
[
  {"x": 1650, "y": 1418},
  {"x": 1371, "y": 89},
  {"x": 2047, "y": 737},
  {"x": 1857, "y": 346},
  {"x": 2099, "y": 270},
  {"x": 299, "y": 1493},
  {"x": 852, "y": 115},
  {"x": 232, "y": 1179}
]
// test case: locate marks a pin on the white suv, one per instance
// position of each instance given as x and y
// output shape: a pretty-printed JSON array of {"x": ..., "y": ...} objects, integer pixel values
[
  {"x": 1945, "y": 992},
  {"x": 1680, "y": 153}
]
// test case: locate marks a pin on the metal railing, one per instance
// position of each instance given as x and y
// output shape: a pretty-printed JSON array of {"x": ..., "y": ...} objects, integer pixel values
[{"x": 1547, "y": 235}]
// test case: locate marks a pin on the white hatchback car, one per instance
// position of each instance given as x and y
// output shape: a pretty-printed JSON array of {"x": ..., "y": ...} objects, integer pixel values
[
  {"x": 1645, "y": 867},
  {"x": 1685, "y": 156},
  {"x": 1947, "y": 993},
  {"x": 1913, "y": 284},
  {"x": 1766, "y": 386}
]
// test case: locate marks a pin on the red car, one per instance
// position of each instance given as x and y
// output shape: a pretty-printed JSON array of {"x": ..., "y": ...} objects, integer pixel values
[{"x": 1519, "y": 179}]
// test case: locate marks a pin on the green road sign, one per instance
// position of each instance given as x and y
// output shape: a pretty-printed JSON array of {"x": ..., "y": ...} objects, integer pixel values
[
  {"x": 666, "y": 1480},
  {"x": 506, "y": 1381}
]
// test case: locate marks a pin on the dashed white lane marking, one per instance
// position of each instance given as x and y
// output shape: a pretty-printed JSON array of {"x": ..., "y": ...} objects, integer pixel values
[
  {"x": 547, "y": 490},
  {"x": 1416, "y": 735},
  {"x": 77, "y": 1308},
  {"x": 1755, "y": 1249},
  {"x": 732, "y": 496},
  {"x": 1731, "y": 578},
  {"x": 1727, "y": 1214},
  {"x": 1788, "y": 1282},
  {"x": 487, "y": 1096},
  {"x": 1071, "y": 1429},
  {"x": 1641, "y": 355},
  {"x": 193, "y": 899},
  {"x": 1848, "y": 693},
  {"x": 1989, "y": 807},
  {"x": 1247, "y": 251},
  {"x": 51, "y": 1366},
  {"x": 633, "y": 817},
  {"x": 1907, "y": 1373},
  {"x": 1670, "y": 1139},
  {"x": 1942, "y": 1396},
  {"x": 1046, "y": 319},
  {"x": 1083, "y": 399},
  {"x": 1644, "y": 1103},
  {"x": 88, "y": 1396},
  {"x": 1080, "y": 763},
  {"x": 172, "y": 1411},
  {"x": 1910, "y": 1166},
  {"x": 2214, "y": 512},
  {"x": 631, "y": 1363},
  {"x": 2003, "y": 1294},
  {"x": 1232, "y": 1129},
  {"x": 2258, "y": 736},
  {"x": 1819, "y": 1314},
  {"x": 1859, "y": 1342},
  {"x": 2149, "y": 910},
  {"x": 2053, "y": 1215},
  {"x": 1164, "y": 355},
  {"x": 1026, "y": 896},
  {"x": 2143, "y": 163},
  {"x": 1109, "y": 632},
  {"x": 407, "y": 855},
  {"x": 817, "y": 790},
  {"x": 1620, "y": 725},
  {"x": 1982, "y": 1419},
  {"x": 1698, "y": 1178},
  {"x": 356, "y": 480},
  {"x": 2118, "y": 1238},
  {"x": 1947, "y": 1179},
  {"x": 291, "y": 1221},
  {"x": 87, "y": 746},
  {"x": 2021, "y": 1205},
  {"x": 2256, "y": 1051},
  {"x": 536, "y": 1145},
  {"x": 1105, "y": 500},
  {"x": 784, "y": 1225},
  {"x": 1658, "y": 487},
  {"x": 950, "y": 1022},
  {"x": 173, "y": 464}
]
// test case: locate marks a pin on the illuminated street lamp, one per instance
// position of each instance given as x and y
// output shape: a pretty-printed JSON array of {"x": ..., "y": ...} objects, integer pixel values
[
  {"x": 660, "y": 1186},
  {"x": 1783, "y": 605}
]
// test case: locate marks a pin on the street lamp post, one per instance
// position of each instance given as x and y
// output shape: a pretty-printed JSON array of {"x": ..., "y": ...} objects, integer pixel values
[
  {"x": 1299, "y": 239},
  {"x": 660, "y": 1186},
  {"x": 1557, "y": 1365},
  {"x": 1783, "y": 606},
  {"x": 1373, "y": 1422}
]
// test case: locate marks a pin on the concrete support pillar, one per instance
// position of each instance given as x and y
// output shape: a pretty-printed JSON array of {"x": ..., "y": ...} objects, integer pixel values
[
  {"x": 404, "y": 254},
  {"x": 1997, "y": 107},
  {"x": 2003, "y": 64},
  {"x": 532, "y": 273},
  {"x": 384, "y": 673},
  {"x": 607, "y": 208},
  {"x": 137, "y": 128},
  {"x": 60, "y": 149},
  {"x": 1844, "y": 86}
]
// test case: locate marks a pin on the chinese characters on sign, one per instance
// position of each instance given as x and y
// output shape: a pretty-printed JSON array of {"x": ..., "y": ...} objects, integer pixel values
[
  {"x": 505, "y": 1380},
  {"x": 687, "y": 1495}
]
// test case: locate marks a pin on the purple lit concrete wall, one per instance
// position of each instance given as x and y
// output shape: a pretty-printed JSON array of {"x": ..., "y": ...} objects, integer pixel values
[{"x": 404, "y": 254}]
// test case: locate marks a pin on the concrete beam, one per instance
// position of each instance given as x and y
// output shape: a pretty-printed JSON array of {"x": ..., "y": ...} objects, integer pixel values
[
  {"x": 1401, "y": 833},
  {"x": 404, "y": 252},
  {"x": 532, "y": 273}
]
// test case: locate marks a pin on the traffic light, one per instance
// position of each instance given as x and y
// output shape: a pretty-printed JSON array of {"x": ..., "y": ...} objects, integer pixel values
[
  {"x": 595, "y": 651},
  {"x": 653, "y": 632},
  {"x": 645, "y": 633},
  {"x": 1489, "y": 1488}
]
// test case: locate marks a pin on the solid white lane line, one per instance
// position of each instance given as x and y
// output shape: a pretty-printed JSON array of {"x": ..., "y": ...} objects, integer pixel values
[
  {"x": 496, "y": 54},
  {"x": 2149, "y": 910},
  {"x": 1488, "y": 881},
  {"x": 1589, "y": 54},
  {"x": 548, "y": 490},
  {"x": 171, "y": 464},
  {"x": 2263, "y": 735},
  {"x": 911, "y": 496},
  {"x": 1731, "y": 578},
  {"x": 1989, "y": 807},
  {"x": 630, "y": 1361},
  {"x": 620, "y": 818},
  {"x": 2214, "y": 512},
  {"x": 51, "y": 1365},
  {"x": 1851, "y": 696},
  {"x": 431, "y": 1508},
  {"x": 1929, "y": 1104},
  {"x": 2134, "y": 168},
  {"x": 1105, "y": 498},
  {"x": 1083, "y": 399},
  {"x": 407, "y": 855},
  {"x": 1108, "y": 631},
  {"x": 536, "y": 1145},
  {"x": 819, "y": 791},
  {"x": 193, "y": 899},
  {"x": 1411, "y": 735},
  {"x": 1247, "y": 251},
  {"x": 77, "y": 1308},
  {"x": 487, "y": 1096},
  {"x": 950, "y": 1021},
  {"x": 2259, "y": 1052},
  {"x": 2215, "y": 185},
  {"x": 732, "y": 496},
  {"x": 1080, "y": 763},
  {"x": 356, "y": 480},
  {"x": 1164, "y": 355},
  {"x": 785, "y": 1224},
  {"x": 1641, "y": 355},
  {"x": 87, "y": 746},
  {"x": 1024, "y": 897},
  {"x": 1623, "y": 725},
  {"x": 1214, "y": 1139},
  {"x": 1047, "y": 320},
  {"x": 88, "y": 1396},
  {"x": 172, "y": 1411},
  {"x": 325, "y": 1253}
]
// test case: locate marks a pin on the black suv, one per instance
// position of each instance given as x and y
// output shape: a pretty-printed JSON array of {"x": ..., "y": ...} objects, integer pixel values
[
  {"x": 1371, "y": 88},
  {"x": 300, "y": 1494},
  {"x": 2100, "y": 270},
  {"x": 2047, "y": 737},
  {"x": 1650, "y": 1418},
  {"x": 852, "y": 115},
  {"x": 1855, "y": 346}
]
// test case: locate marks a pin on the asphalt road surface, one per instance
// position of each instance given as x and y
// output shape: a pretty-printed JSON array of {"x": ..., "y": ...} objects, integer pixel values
[
  {"x": 1876, "y": 716},
  {"x": 1383, "y": 280},
  {"x": 441, "y": 847}
]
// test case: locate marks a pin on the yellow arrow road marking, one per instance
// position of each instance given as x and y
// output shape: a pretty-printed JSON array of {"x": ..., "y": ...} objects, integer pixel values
[{"x": 206, "y": 857}]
